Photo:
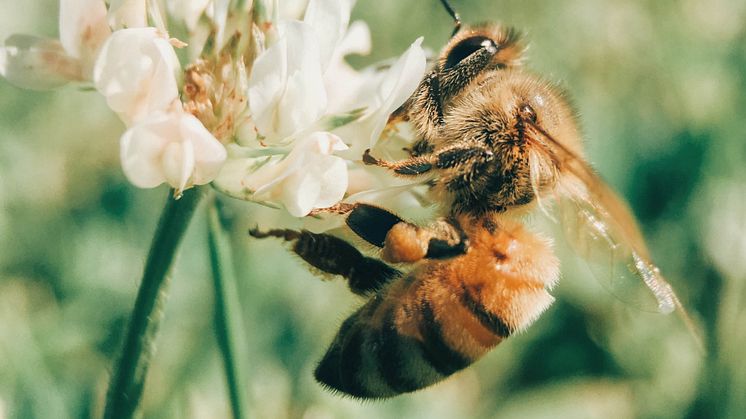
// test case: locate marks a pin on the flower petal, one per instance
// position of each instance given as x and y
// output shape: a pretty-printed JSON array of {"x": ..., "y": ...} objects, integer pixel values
[
  {"x": 173, "y": 148},
  {"x": 344, "y": 85},
  {"x": 307, "y": 178},
  {"x": 37, "y": 63},
  {"x": 329, "y": 20},
  {"x": 286, "y": 89},
  {"x": 127, "y": 14},
  {"x": 177, "y": 163},
  {"x": 209, "y": 154},
  {"x": 83, "y": 29},
  {"x": 136, "y": 72},
  {"x": 393, "y": 89},
  {"x": 188, "y": 11}
]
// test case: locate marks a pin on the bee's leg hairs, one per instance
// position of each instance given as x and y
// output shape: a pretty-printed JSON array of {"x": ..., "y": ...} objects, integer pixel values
[{"x": 335, "y": 256}]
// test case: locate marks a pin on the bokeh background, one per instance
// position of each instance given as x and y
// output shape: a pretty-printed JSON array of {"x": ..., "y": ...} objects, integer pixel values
[{"x": 660, "y": 87}]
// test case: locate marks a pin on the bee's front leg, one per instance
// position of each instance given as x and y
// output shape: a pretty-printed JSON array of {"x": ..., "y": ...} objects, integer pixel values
[{"x": 413, "y": 166}]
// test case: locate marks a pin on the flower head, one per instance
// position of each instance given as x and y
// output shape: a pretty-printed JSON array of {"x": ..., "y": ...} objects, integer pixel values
[{"x": 266, "y": 107}]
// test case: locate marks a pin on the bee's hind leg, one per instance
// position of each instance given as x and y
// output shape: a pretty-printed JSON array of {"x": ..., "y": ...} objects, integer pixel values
[
  {"x": 405, "y": 242},
  {"x": 335, "y": 256}
]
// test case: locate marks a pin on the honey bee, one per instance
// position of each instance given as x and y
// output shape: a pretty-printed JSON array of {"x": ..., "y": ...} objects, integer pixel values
[{"x": 493, "y": 141}]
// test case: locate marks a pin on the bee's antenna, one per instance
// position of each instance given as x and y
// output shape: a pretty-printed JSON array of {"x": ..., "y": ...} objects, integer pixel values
[{"x": 454, "y": 15}]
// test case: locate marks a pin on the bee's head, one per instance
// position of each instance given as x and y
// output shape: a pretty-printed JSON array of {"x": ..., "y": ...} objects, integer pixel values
[{"x": 502, "y": 43}]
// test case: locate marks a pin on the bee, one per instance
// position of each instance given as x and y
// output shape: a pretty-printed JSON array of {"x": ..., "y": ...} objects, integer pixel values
[{"x": 493, "y": 142}]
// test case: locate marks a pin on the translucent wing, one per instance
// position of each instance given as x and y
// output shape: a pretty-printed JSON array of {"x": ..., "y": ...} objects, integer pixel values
[
  {"x": 601, "y": 228},
  {"x": 615, "y": 263}
]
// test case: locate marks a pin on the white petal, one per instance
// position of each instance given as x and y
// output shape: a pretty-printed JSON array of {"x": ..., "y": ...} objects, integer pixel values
[
  {"x": 329, "y": 20},
  {"x": 188, "y": 11},
  {"x": 267, "y": 83},
  {"x": 286, "y": 92},
  {"x": 83, "y": 29},
  {"x": 345, "y": 86},
  {"x": 403, "y": 77},
  {"x": 220, "y": 18},
  {"x": 209, "y": 153},
  {"x": 141, "y": 150},
  {"x": 136, "y": 72},
  {"x": 300, "y": 193},
  {"x": 177, "y": 163},
  {"x": 334, "y": 180},
  {"x": 356, "y": 40},
  {"x": 396, "y": 86},
  {"x": 37, "y": 63},
  {"x": 127, "y": 14},
  {"x": 309, "y": 177},
  {"x": 289, "y": 9}
]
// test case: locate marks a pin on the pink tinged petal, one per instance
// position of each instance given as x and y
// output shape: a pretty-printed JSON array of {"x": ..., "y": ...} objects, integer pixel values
[
  {"x": 136, "y": 72},
  {"x": 31, "y": 62},
  {"x": 83, "y": 29},
  {"x": 173, "y": 148},
  {"x": 127, "y": 14}
]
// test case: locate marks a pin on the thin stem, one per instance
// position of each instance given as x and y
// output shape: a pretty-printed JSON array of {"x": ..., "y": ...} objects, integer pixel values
[
  {"x": 127, "y": 382},
  {"x": 228, "y": 325}
]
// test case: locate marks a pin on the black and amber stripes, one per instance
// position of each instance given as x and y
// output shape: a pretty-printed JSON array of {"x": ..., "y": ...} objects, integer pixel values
[{"x": 407, "y": 338}]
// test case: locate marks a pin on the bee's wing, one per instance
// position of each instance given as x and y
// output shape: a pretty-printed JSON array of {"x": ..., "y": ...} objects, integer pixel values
[
  {"x": 615, "y": 252},
  {"x": 602, "y": 229}
]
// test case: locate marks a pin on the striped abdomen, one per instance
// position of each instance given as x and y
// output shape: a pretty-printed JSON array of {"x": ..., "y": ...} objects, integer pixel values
[{"x": 442, "y": 317}]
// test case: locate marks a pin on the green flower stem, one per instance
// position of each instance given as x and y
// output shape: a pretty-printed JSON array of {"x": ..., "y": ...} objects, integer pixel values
[
  {"x": 228, "y": 325},
  {"x": 127, "y": 382}
]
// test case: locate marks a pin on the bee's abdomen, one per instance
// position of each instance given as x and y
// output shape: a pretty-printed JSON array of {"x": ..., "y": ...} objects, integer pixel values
[{"x": 407, "y": 339}]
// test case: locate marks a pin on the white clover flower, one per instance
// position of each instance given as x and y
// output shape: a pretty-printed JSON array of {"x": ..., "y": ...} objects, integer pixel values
[
  {"x": 267, "y": 110},
  {"x": 171, "y": 147},
  {"x": 136, "y": 72},
  {"x": 300, "y": 89}
]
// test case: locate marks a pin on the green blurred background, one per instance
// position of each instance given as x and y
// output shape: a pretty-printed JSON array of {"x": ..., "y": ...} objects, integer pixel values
[{"x": 661, "y": 90}]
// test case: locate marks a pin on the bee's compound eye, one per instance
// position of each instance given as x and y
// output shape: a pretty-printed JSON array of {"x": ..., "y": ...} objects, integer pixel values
[
  {"x": 527, "y": 113},
  {"x": 465, "y": 48}
]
